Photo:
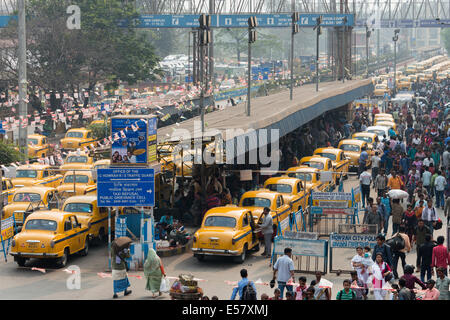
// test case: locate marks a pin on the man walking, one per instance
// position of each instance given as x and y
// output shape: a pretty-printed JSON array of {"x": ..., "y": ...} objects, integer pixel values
[
  {"x": 363, "y": 157},
  {"x": 365, "y": 179},
  {"x": 429, "y": 216},
  {"x": 384, "y": 249},
  {"x": 441, "y": 256},
  {"x": 439, "y": 184},
  {"x": 425, "y": 256},
  {"x": 243, "y": 287},
  {"x": 380, "y": 182},
  {"x": 375, "y": 165},
  {"x": 443, "y": 284},
  {"x": 267, "y": 231},
  {"x": 401, "y": 253},
  {"x": 285, "y": 268},
  {"x": 426, "y": 180},
  {"x": 397, "y": 215}
]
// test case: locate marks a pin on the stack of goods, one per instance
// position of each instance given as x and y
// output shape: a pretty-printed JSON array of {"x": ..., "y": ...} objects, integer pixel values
[{"x": 185, "y": 288}]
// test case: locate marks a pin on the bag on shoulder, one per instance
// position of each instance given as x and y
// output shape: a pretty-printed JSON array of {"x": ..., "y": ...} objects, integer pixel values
[
  {"x": 248, "y": 293},
  {"x": 396, "y": 243}
]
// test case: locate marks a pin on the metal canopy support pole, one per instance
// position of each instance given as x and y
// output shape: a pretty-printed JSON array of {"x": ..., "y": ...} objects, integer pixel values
[
  {"x": 22, "y": 62},
  {"x": 317, "y": 60},
  {"x": 109, "y": 238},
  {"x": 292, "y": 66},
  {"x": 249, "y": 73}
]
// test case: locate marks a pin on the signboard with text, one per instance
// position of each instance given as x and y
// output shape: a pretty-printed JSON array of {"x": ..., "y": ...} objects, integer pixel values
[
  {"x": 301, "y": 247},
  {"x": 152, "y": 139},
  {"x": 130, "y": 136},
  {"x": 332, "y": 199},
  {"x": 7, "y": 228},
  {"x": 352, "y": 240}
]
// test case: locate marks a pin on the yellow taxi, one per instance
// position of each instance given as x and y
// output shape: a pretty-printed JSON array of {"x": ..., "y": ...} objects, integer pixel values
[
  {"x": 310, "y": 176},
  {"x": 77, "y": 138},
  {"x": 255, "y": 201},
  {"x": 291, "y": 189},
  {"x": 383, "y": 118},
  {"x": 38, "y": 146},
  {"x": 7, "y": 190},
  {"x": 404, "y": 83},
  {"x": 50, "y": 235},
  {"x": 420, "y": 77},
  {"x": 442, "y": 76},
  {"x": 87, "y": 212},
  {"x": 412, "y": 78},
  {"x": 27, "y": 199},
  {"x": 100, "y": 164},
  {"x": 387, "y": 124},
  {"x": 77, "y": 160},
  {"x": 226, "y": 231},
  {"x": 36, "y": 174},
  {"x": 381, "y": 89},
  {"x": 368, "y": 137},
  {"x": 352, "y": 149},
  {"x": 321, "y": 163},
  {"x": 384, "y": 115},
  {"x": 411, "y": 69},
  {"x": 77, "y": 183},
  {"x": 338, "y": 159}
]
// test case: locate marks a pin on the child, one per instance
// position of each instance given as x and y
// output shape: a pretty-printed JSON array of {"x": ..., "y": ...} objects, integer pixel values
[
  {"x": 346, "y": 293},
  {"x": 277, "y": 294},
  {"x": 310, "y": 293},
  {"x": 289, "y": 295},
  {"x": 300, "y": 291},
  {"x": 367, "y": 260}
]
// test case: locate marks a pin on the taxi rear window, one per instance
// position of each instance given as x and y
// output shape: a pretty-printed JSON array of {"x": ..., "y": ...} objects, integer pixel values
[
  {"x": 313, "y": 164},
  {"x": 26, "y": 174},
  {"x": 283, "y": 188},
  {"x": 78, "y": 207},
  {"x": 218, "y": 221},
  {"x": 256, "y": 202},
  {"x": 76, "y": 159},
  {"x": 74, "y": 134},
  {"x": 350, "y": 147},
  {"x": 41, "y": 224},
  {"x": 330, "y": 156}
]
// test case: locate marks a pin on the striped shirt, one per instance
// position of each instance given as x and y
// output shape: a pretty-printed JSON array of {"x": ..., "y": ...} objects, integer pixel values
[
  {"x": 440, "y": 257},
  {"x": 342, "y": 295}
]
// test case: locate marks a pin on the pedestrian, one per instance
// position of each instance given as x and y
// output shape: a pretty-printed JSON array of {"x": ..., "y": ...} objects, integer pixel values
[
  {"x": 382, "y": 248},
  {"x": 375, "y": 165},
  {"x": 358, "y": 286},
  {"x": 154, "y": 272},
  {"x": 426, "y": 179},
  {"x": 411, "y": 279},
  {"x": 363, "y": 158},
  {"x": 380, "y": 270},
  {"x": 447, "y": 210},
  {"x": 429, "y": 216},
  {"x": 443, "y": 284},
  {"x": 277, "y": 295},
  {"x": 431, "y": 293},
  {"x": 300, "y": 291},
  {"x": 441, "y": 256},
  {"x": 360, "y": 266},
  {"x": 264, "y": 296},
  {"x": 439, "y": 184},
  {"x": 119, "y": 269},
  {"x": 310, "y": 293},
  {"x": 365, "y": 179},
  {"x": 284, "y": 266},
  {"x": 373, "y": 216},
  {"x": 394, "y": 182},
  {"x": 404, "y": 293},
  {"x": 409, "y": 221},
  {"x": 397, "y": 215},
  {"x": 267, "y": 231},
  {"x": 320, "y": 292},
  {"x": 245, "y": 288},
  {"x": 346, "y": 293},
  {"x": 380, "y": 183}
]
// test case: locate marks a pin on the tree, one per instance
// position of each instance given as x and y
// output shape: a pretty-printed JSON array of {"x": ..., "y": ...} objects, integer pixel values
[
  {"x": 238, "y": 37},
  {"x": 445, "y": 33},
  {"x": 102, "y": 50},
  {"x": 9, "y": 153}
]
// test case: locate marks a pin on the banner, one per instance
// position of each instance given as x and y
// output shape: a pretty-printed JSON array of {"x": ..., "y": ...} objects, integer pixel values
[
  {"x": 311, "y": 248},
  {"x": 352, "y": 240}
]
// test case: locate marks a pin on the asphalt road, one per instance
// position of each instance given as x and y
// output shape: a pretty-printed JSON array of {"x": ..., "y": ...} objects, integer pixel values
[{"x": 25, "y": 283}]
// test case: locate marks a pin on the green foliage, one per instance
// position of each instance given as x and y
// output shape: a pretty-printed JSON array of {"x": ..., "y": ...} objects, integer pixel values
[
  {"x": 445, "y": 34},
  {"x": 9, "y": 153},
  {"x": 99, "y": 130}
]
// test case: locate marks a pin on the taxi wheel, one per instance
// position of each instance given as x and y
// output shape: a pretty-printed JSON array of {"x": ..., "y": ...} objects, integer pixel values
[
  {"x": 63, "y": 260},
  {"x": 85, "y": 251},
  {"x": 101, "y": 236},
  {"x": 21, "y": 262},
  {"x": 241, "y": 258},
  {"x": 256, "y": 248},
  {"x": 200, "y": 257}
]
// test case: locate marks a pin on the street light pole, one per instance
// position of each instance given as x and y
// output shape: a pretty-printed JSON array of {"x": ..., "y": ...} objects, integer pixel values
[
  {"x": 22, "y": 62},
  {"x": 368, "y": 32},
  {"x": 319, "y": 32},
  {"x": 252, "y": 24},
  {"x": 395, "y": 39},
  {"x": 295, "y": 17}
]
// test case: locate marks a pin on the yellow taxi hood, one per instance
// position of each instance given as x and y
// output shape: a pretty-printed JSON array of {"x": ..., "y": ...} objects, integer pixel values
[
  {"x": 79, "y": 187},
  {"x": 75, "y": 166},
  {"x": 25, "y": 182},
  {"x": 16, "y": 206}
]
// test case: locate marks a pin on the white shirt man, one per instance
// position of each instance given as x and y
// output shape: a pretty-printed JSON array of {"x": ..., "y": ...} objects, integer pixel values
[
  {"x": 426, "y": 178},
  {"x": 427, "y": 161},
  {"x": 365, "y": 178},
  {"x": 416, "y": 140},
  {"x": 440, "y": 183},
  {"x": 376, "y": 161},
  {"x": 446, "y": 158}
]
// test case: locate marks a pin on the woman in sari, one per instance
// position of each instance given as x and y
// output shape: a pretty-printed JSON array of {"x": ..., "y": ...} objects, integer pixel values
[
  {"x": 153, "y": 271},
  {"x": 119, "y": 269},
  {"x": 380, "y": 270}
]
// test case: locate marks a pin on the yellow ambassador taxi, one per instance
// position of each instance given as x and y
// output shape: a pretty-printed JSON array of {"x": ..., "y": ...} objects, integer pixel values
[
  {"x": 77, "y": 138},
  {"x": 25, "y": 198},
  {"x": 36, "y": 174},
  {"x": 38, "y": 146},
  {"x": 226, "y": 231},
  {"x": 387, "y": 124},
  {"x": 100, "y": 164},
  {"x": 321, "y": 163},
  {"x": 352, "y": 149},
  {"x": 90, "y": 215},
  {"x": 256, "y": 201},
  {"x": 50, "y": 235},
  {"x": 78, "y": 183},
  {"x": 338, "y": 159},
  {"x": 404, "y": 83},
  {"x": 311, "y": 178},
  {"x": 77, "y": 160},
  {"x": 384, "y": 115},
  {"x": 7, "y": 190},
  {"x": 381, "y": 89},
  {"x": 368, "y": 137},
  {"x": 291, "y": 189}
]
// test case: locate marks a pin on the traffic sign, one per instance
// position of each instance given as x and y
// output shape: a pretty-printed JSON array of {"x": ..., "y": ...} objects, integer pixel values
[{"x": 126, "y": 187}]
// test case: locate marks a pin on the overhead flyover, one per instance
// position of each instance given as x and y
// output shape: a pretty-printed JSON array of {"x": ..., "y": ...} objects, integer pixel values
[{"x": 275, "y": 111}]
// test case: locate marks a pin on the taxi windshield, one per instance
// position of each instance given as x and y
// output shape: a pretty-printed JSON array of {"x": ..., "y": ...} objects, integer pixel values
[
  {"x": 278, "y": 187},
  {"x": 366, "y": 139},
  {"x": 26, "y": 174},
  {"x": 350, "y": 147},
  {"x": 74, "y": 134},
  {"x": 377, "y": 131},
  {"x": 76, "y": 159},
  {"x": 27, "y": 197},
  {"x": 256, "y": 202},
  {"x": 78, "y": 207},
  {"x": 301, "y": 175},
  {"x": 78, "y": 179},
  {"x": 41, "y": 224},
  {"x": 330, "y": 156},
  {"x": 33, "y": 141},
  {"x": 313, "y": 164},
  {"x": 217, "y": 221}
]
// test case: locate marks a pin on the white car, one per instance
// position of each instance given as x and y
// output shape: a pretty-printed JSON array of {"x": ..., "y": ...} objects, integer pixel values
[{"x": 380, "y": 131}]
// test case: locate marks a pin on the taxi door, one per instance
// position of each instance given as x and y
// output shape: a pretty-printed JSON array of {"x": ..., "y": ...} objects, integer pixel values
[
  {"x": 282, "y": 212},
  {"x": 78, "y": 239},
  {"x": 303, "y": 196},
  {"x": 69, "y": 235}
]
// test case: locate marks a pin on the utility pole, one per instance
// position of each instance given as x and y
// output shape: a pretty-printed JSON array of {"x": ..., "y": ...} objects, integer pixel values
[
  {"x": 252, "y": 24},
  {"x": 204, "y": 39},
  {"x": 368, "y": 32},
  {"x": 23, "y": 105},
  {"x": 295, "y": 18},
  {"x": 343, "y": 44},
  {"x": 395, "y": 39},
  {"x": 319, "y": 32}
]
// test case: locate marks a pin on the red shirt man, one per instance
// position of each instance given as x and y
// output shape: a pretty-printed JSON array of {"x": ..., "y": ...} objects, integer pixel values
[{"x": 441, "y": 256}]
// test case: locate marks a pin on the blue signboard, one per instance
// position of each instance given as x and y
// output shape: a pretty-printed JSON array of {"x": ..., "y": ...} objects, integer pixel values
[
  {"x": 407, "y": 23},
  {"x": 126, "y": 187},
  {"x": 4, "y": 20},
  {"x": 152, "y": 139},
  {"x": 329, "y": 20},
  {"x": 130, "y": 145}
]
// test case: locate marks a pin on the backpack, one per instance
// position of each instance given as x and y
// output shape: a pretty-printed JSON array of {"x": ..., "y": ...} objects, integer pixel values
[
  {"x": 396, "y": 243},
  {"x": 248, "y": 293},
  {"x": 339, "y": 297}
]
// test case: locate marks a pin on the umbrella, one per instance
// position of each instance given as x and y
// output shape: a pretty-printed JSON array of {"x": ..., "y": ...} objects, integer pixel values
[
  {"x": 122, "y": 242},
  {"x": 398, "y": 194}
]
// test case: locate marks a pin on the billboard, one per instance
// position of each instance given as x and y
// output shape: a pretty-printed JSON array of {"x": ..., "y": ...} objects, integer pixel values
[
  {"x": 152, "y": 139},
  {"x": 130, "y": 141}
]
